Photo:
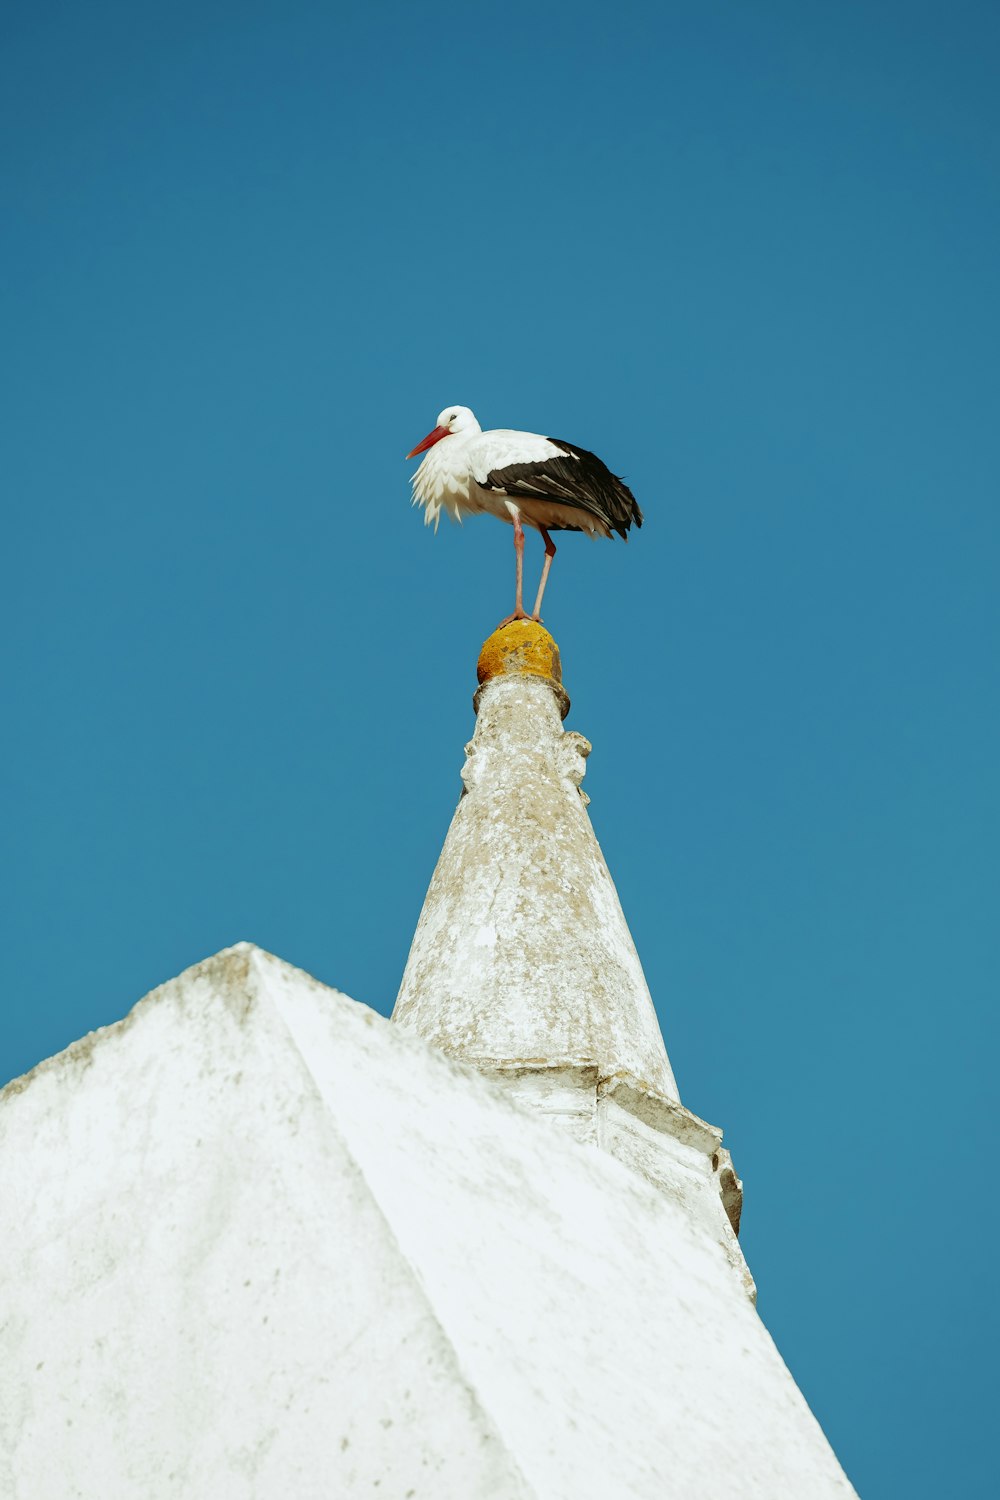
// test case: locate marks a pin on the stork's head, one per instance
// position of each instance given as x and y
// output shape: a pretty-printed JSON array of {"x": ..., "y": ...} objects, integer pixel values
[{"x": 452, "y": 419}]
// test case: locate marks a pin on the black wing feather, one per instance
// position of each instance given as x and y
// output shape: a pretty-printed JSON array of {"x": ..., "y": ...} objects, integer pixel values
[{"x": 581, "y": 480}]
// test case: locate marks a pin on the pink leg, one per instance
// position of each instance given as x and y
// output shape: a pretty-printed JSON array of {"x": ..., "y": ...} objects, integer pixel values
[
  {"x": 550, "y": 552},
  {"x": 519, "y": 612}
]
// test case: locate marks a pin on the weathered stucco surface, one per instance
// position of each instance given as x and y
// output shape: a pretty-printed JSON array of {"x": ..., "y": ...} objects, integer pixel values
[
  {"x": 522, "y": 953},
  {"x": 257, "y": 1242}
]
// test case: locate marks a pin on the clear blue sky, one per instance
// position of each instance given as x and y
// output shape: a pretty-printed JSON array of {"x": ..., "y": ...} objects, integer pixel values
[{"x": 749, "y": 254}]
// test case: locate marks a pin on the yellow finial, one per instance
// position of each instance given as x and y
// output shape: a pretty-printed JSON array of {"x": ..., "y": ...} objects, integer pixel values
[{"x": 522, "y": 649}]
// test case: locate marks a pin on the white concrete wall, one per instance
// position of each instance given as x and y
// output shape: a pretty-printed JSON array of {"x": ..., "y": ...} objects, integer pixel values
[{"x": 257, "y": 1242}]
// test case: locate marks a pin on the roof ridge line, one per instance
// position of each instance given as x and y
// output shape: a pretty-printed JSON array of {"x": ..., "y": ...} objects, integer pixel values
[{"x": 476, "y": 1397}]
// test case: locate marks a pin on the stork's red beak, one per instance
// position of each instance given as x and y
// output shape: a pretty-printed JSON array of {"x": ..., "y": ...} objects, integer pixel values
[{"x": 429, "y": 441}]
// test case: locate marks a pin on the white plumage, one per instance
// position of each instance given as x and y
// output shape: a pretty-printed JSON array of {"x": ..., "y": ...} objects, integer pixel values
[
  {"x": 522, "y": 478},
  {"x": 454, "y": 476}
]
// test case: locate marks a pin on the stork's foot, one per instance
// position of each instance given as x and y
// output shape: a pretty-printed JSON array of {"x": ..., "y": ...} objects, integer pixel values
[
  {"x": 537, "y": 618},
  {"x": 519, "y": 614}
]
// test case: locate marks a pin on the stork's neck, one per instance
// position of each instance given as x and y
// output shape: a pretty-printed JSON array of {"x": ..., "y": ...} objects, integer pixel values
[
  {"x": 467, "y": 427},
  {"x": 447, "y": 461}
]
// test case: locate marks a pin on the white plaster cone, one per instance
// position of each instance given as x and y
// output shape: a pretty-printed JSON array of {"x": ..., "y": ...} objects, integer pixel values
[{"x": 522, "y": 954}]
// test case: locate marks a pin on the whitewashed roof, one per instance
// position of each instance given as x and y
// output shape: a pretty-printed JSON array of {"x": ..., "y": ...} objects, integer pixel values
[{"x": 260, "y": 1242}]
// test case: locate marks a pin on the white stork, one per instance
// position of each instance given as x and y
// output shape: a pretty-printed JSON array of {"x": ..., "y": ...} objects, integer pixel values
[{"x": 521, "y": 478}]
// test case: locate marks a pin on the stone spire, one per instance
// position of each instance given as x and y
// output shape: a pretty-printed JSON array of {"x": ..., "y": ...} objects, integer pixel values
[
  {"x": 522, "y": 957},
  {"x": 522, "y": 963}
]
